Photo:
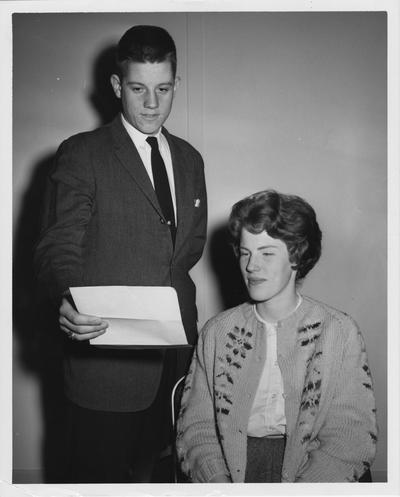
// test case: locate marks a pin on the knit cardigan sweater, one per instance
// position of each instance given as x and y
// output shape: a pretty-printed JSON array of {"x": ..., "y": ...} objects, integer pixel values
[{"x": 329, "y": 403}]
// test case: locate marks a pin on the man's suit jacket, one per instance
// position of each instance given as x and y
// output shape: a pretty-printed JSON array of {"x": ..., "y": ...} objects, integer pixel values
[{"x": 102, "y": 225}]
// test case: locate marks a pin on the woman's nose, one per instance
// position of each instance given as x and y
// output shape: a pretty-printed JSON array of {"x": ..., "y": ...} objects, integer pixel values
[{"x": 252, "y": 265}]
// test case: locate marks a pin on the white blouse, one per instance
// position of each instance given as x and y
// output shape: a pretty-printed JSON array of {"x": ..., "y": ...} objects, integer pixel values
[{"x": 267, "y": 415}]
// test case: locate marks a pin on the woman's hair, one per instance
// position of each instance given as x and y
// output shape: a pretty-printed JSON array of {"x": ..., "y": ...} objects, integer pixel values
[{"x": 285, "y": 217}]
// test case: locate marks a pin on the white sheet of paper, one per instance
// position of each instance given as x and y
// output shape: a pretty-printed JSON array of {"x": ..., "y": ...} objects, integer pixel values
[{"x": 138, "y": 316}]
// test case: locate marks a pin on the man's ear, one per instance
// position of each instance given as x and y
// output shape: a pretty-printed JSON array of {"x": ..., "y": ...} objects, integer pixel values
[
  {"x": 177, "y": 82},
  {"x": 116, "y": 84}
]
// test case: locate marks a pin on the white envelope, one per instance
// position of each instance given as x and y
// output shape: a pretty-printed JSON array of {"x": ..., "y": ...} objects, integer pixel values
[{"x": 138, "y": 316}]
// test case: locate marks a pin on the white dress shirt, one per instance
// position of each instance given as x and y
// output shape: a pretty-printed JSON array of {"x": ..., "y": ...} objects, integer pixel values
[
  {"x": 267, "y": 415},
  {"x": 144, "y": 149}
]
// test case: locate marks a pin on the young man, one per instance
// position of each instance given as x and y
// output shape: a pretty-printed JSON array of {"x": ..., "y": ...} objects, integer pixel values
[
  {"x": 279, "y": 389},
  {"x": 126, "y": 205}
]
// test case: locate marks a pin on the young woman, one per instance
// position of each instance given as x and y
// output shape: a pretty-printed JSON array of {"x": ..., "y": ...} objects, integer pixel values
[{"x": 279, "y": 388}]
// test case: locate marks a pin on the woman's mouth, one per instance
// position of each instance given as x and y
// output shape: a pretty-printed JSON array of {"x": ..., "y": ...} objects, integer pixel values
[{"x": 255, "y": 281}]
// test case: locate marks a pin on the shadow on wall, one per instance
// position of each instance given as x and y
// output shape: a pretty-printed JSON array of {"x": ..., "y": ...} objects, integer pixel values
[
  {"x": 226, "y": 268},
  {"x": 35, "y": 323},
  {"x": 102, "y": 96},
  {"x": 35, "y": 319}
]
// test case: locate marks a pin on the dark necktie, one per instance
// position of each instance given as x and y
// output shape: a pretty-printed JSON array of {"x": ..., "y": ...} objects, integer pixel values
[{"x": 161, "y": 185}]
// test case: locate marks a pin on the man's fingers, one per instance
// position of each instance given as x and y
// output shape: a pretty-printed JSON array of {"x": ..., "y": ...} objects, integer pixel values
[
  {"x": 81, "y": 336},
  {"x": 76, "y": 318},
  {"x": 83, "y": 329},
  {"x": 79, "y": 326},
  {"x": 70, "y": 316}
]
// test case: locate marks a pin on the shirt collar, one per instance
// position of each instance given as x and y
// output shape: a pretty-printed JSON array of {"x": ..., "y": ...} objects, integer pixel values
[{"x": 138, "y": 138}]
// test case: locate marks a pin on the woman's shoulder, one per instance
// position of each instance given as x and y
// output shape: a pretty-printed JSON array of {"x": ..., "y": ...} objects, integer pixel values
[
  {"x": 329, "y": 314},
  {"x": 235, "y": 316}
]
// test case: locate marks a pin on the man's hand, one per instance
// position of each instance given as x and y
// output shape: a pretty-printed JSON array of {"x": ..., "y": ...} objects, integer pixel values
[{"x": 79, "y": 326}]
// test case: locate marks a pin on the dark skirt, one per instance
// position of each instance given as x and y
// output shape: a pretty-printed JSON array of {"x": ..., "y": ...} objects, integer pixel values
[{"x": 264, "y": 459}]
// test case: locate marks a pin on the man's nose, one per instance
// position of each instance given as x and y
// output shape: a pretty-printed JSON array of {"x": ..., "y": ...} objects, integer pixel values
[{"x": 151, "y": 101}]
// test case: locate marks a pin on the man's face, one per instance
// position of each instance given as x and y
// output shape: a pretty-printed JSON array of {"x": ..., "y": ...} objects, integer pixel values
[
  {"x": 146, "y": 92},
  {"x": 265, "y": 267}
]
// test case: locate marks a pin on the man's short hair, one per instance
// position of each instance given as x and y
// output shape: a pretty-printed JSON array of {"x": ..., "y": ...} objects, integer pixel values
[
  {"x": 146, "y": 44},
  {"x": 285, "y": 217}
]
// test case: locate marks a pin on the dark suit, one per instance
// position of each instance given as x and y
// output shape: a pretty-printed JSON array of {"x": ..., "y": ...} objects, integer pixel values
[{"x": 102, "y": 225}]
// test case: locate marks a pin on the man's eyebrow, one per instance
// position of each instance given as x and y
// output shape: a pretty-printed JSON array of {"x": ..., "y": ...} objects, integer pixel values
[{"x": 167, "y": 83}]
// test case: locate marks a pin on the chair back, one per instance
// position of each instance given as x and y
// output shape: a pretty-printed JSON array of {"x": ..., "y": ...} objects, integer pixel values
[{"x": 176, "y": 396}]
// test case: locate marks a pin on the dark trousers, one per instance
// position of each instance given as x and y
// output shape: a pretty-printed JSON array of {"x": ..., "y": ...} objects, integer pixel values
[{"x": 118, "y": 447}]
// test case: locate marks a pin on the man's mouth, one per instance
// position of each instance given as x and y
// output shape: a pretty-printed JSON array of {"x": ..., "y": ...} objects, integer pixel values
[{"x": 150, "y": 117}]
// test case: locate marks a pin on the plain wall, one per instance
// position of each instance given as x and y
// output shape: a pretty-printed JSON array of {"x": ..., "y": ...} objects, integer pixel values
[{"x": 291, "y": 101}]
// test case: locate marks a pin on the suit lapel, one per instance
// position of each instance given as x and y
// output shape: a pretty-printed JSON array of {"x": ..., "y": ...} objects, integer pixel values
[
  {"x": 182, "y": 188},
  {"x": 129, "y": 157}
]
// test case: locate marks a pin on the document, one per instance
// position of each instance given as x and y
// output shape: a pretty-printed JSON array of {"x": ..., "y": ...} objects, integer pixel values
[{"x": 138, "y": 316}]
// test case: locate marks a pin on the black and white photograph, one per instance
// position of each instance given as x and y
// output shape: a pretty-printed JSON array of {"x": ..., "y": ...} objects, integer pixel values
[{"x": 201, "y": 262}]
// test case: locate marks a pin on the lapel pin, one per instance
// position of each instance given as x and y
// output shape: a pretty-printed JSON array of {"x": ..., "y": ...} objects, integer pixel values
[{"x": 197, "y": 202}]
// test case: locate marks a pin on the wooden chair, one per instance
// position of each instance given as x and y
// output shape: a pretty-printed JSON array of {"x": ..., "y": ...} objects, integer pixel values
[{"x": 176, "y": 396}]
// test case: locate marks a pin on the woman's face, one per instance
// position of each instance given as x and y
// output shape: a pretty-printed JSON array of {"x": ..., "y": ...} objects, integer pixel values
[{"x": 265, "y": 267}]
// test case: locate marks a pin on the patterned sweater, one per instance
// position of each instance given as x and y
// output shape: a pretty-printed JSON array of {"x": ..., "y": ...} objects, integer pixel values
[{"x": 329, "y": 402}]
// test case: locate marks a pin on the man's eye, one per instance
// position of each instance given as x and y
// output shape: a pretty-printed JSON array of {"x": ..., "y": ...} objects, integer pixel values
[
  {"x": 164, "y": 89},
  {"x": 268, "y": 253},
  {"x": 136, "y": 89}
]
